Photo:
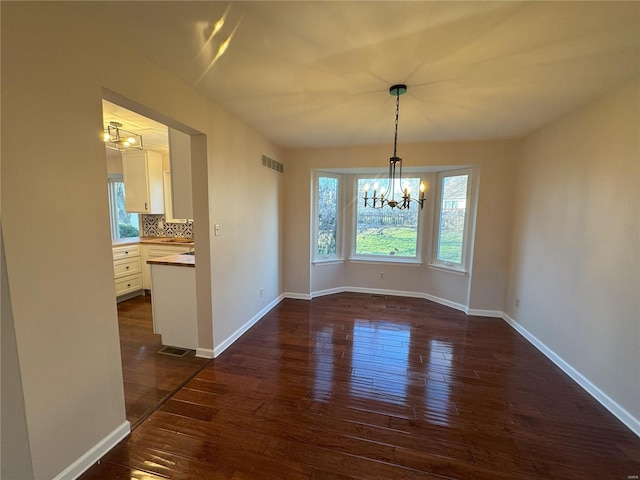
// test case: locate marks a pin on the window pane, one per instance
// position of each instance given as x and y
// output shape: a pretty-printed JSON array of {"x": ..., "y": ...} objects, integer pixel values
[
  {"x": 386, "y": 231},
  {"x": 127, "y": 222},
  {"x": 452, "y": 215},
  {"x": 327, "y": 241}
]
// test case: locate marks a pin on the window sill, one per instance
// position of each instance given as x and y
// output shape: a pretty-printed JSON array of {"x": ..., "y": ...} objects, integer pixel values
[
  {"x": 444, "y": 268},
  {"x": 402, "y": 261},
  {"x": 320, "y": 263}
]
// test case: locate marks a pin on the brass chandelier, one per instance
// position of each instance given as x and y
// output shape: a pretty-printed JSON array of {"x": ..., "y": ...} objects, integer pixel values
[{"x": 382, "y": 198}]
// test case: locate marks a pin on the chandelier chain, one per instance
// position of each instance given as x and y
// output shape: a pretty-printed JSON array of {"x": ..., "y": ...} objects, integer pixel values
[{"x": 395, "y": 137}]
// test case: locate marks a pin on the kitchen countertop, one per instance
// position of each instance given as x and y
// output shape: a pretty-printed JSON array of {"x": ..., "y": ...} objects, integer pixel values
[
  {"x": 181, "y": 260},
  {"x": 155, "y": 240}
]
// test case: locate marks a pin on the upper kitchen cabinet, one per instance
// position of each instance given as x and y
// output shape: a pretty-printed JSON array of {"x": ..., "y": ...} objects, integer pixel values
[
  {"x": 142, "y": 173},
  {"x": 180, "y": 159}
]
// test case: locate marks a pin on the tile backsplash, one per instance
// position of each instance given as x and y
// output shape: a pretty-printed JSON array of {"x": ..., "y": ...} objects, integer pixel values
[{"x": 155, "y": 226}]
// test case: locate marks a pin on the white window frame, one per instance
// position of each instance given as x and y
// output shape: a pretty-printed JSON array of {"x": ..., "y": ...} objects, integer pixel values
[
  {"x": 338, "y": 256},
  {"x": 447, "y": 265},
  {"x": 113, "y": 209},
  {"x": 358, "y": 258}
]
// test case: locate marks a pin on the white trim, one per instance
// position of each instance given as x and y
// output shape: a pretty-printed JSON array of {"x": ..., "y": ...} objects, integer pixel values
[
  {"x": 470, "y": 210},
  {"x": 443, "y": 268},
  {"x": 445, "y": 302},
  {"x": 319, "y": 263},
  {"x": 616, "y": 409},
  {"x": 222, "y": 346},
  {"x": 382, "y": 175},
  {"x": 128, "y": 296},
  {"x": 297, "y": 296},
  {"x": 413, "y": 261},
  {"x": 485, "y": 313},
  {"x": 397, "y": 293},
  {"x": 95, "y": 453},
  {"x": 204, "y": 353},
  {"x": 335, "y": 257},
  {"x": 328, "y": 291}
]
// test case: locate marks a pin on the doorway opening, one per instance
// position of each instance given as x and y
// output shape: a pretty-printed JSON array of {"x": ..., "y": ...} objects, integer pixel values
[{"x": 144, "y": 228}]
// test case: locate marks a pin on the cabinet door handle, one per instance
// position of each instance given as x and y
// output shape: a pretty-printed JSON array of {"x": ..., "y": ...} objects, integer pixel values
[
  {"x": 127, "y": 267},
  {"x": 145, "y": 206},
  {"x": 128, "y": 284}
]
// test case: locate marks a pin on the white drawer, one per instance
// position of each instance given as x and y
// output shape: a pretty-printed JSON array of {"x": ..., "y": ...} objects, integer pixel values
[
  {"x": 128, "y": 284},
  {"x": 126, "y": 266},
  {"x": 126, "y": 251}
]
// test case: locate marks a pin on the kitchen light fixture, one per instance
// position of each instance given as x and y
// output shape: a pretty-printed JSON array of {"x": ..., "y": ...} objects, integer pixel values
[
  {"x": 118, "y": 139},
  {"x": 395, "y": 166}
]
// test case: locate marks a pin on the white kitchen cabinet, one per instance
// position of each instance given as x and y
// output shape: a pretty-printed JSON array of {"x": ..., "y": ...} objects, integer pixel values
[
  {"x": 168, "y": 200},
  {"x": 152, "y": 250},
  {"x": 127, "y": 270},
  {"x": 142, "y": 173},
  {"x": 174, "y": 305},
  {"x": 180, "y": 160}
]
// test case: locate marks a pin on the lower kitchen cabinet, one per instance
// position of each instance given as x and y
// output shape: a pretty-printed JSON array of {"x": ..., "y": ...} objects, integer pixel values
[
  {"x": 151, "y": 251},
  {"x": 127, "y": 269},
  {"x": 175, "y": 315}
]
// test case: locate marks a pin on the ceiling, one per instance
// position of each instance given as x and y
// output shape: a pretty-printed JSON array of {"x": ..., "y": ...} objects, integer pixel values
[
  {"x": 155, "y": 136},
  {"x": 311, "y": 74}
]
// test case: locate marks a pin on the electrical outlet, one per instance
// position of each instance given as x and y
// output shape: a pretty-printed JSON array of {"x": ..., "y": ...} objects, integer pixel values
[
  {"x": 382, "y": 275},
  {"x": 261, "y": 292}
]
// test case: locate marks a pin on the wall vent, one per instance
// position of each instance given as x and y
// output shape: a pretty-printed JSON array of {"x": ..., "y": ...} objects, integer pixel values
[{"x": 272, "y": 164}]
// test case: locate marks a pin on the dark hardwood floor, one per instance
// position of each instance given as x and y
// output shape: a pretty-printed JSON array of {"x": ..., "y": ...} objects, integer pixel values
[
  {"x": 149, "y": 377},
  {"x": 353, "y": 386}
]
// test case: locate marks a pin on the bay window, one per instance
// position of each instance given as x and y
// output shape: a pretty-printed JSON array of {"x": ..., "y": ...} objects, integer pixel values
[{"x": 438, "y": 233}]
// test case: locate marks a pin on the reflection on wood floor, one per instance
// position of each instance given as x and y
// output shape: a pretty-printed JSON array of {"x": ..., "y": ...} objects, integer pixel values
[
  {"x": 149, "y": 377},
  {"x": 351, "y": 386}
]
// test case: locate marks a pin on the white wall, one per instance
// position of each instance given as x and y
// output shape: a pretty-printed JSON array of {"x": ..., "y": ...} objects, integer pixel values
[
  {"x": 56, "y": 227},
  {"x": 495, "y": 164},
  {"x": 575, "y": 257}
]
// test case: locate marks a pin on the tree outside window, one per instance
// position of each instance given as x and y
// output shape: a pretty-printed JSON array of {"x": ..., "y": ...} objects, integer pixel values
[
  {"x": 327, "y": 216},
  {"x": 123, "y": 224}
]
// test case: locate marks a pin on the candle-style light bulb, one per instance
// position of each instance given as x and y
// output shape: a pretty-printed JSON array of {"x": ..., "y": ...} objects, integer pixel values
[{"x": 423, "y": 187}]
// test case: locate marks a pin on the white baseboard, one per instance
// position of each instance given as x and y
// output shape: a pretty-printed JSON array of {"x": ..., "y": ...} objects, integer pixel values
[
  {"x": 445, "y": 302},
  {"x": 485, "y": 313},
  {"x": 607, "y": 402},
  {"x": 397, "y": 293},
  {"x": 328, "y": 291},
  {"x": 95, "y": 453},
  {"x": 222, "y": 346},
  {"x": 296, "y": 296},
  {"x": 204, "y": 353}
]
